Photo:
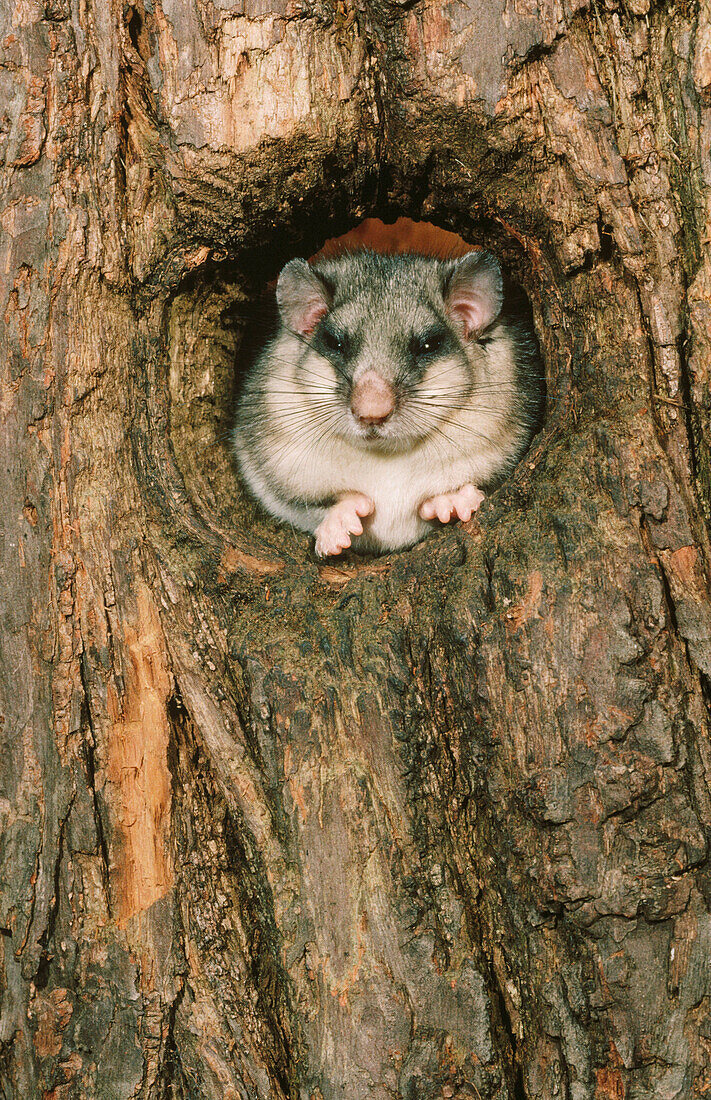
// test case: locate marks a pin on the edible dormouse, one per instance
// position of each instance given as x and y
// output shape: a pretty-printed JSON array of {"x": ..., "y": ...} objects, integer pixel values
[{"x": 395, "y": 391}]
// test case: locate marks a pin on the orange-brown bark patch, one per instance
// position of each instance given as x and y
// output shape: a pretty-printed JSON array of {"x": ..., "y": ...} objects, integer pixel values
[
  {"x": 234, "y": 560},
  {"x": 527, "y": 609},
  {"x": 341, "y": 574},
  {"x": 685, "y": 564},
  {"x": 53, "y": 1012},
  {"x": 138, "y": 767},
  {"x": 403, "y": 235},
  {"x": 610, "y": 1085}
]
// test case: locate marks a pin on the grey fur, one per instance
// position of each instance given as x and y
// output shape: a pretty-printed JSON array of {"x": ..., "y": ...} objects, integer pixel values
[{"x": 465, "y": 412}]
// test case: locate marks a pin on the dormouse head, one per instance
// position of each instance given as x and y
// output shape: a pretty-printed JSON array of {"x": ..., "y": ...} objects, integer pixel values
[{"x": 389, "y": 344}]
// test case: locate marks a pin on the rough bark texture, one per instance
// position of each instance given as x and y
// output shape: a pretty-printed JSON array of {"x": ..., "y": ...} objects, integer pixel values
[{"x": 434, "y": 825}]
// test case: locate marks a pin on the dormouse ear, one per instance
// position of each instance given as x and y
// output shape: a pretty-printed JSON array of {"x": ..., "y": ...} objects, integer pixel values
[
  {"x": 474, "y": 292},
  {"x": 303, "y": 298}
]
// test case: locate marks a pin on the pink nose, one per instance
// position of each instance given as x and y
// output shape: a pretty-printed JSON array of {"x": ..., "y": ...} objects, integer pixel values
[{"x": 372, "y": 399}]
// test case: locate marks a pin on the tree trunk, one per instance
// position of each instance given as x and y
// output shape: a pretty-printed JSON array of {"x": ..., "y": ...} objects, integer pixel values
[{"x": 429, "y": 825}]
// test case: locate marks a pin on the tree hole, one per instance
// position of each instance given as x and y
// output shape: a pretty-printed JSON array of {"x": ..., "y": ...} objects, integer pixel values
[{"x": 218, "y": 321}]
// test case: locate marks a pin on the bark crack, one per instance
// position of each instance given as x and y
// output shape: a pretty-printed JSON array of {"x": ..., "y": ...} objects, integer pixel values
[
  {"x": 681, "y": 481},
  {"x": 43, "y": 965},
  {"x": 171, "y": 1056},
  {"x": 90, "y": 744}
]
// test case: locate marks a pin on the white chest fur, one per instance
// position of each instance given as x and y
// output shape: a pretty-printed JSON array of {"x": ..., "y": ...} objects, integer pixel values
[{"x": 305, "y": 468}]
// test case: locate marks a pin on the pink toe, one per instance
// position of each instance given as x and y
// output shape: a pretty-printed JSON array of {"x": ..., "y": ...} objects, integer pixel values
[{"x": 364, "y": 507}]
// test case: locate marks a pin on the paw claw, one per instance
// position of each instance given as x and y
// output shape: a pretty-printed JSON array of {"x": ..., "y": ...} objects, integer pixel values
[
  {"x": 456, "y": 505},
  {"x": 342, "y": 520}
]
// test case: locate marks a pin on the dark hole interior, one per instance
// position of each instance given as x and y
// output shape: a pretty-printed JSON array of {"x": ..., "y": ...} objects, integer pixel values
[{"x": 217, "y": 322}]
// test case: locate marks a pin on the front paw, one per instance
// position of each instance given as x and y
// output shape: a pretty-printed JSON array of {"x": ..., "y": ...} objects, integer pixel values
[
  {"x": 342, "y": 520},
  {"x": 448, "y": 506}
]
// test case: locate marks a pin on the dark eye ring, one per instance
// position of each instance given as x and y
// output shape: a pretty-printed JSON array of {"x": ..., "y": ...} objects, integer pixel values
[
  {"x": 426, "y": 345},
  {"x": 332, "y": 341}
]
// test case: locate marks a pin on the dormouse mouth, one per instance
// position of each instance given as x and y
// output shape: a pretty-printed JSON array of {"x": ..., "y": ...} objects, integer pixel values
[
  {"x": 370, "y": 431},
  {"x": 386, "y": 439},
  {"x": 374, "y": 436}
]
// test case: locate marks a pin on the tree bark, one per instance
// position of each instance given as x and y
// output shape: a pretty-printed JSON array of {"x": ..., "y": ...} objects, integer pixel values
[{"x": 430, "y": 825}]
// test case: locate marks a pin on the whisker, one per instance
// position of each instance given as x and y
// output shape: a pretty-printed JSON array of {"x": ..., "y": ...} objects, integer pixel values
[
  {"x": 299, "y": 462},
  {"x": 300, "y": 415},
  {"x": 293, "y": 434},
  {"x": 478, "y": 407}
]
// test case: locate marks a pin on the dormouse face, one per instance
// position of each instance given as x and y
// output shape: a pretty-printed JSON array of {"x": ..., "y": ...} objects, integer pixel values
[{"x": 390, "y": 343}]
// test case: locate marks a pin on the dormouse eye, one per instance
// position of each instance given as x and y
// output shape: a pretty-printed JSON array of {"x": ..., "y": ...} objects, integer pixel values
[
  {"x": 428, "y": 344},
  {"x": 333, "y": 341}
]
